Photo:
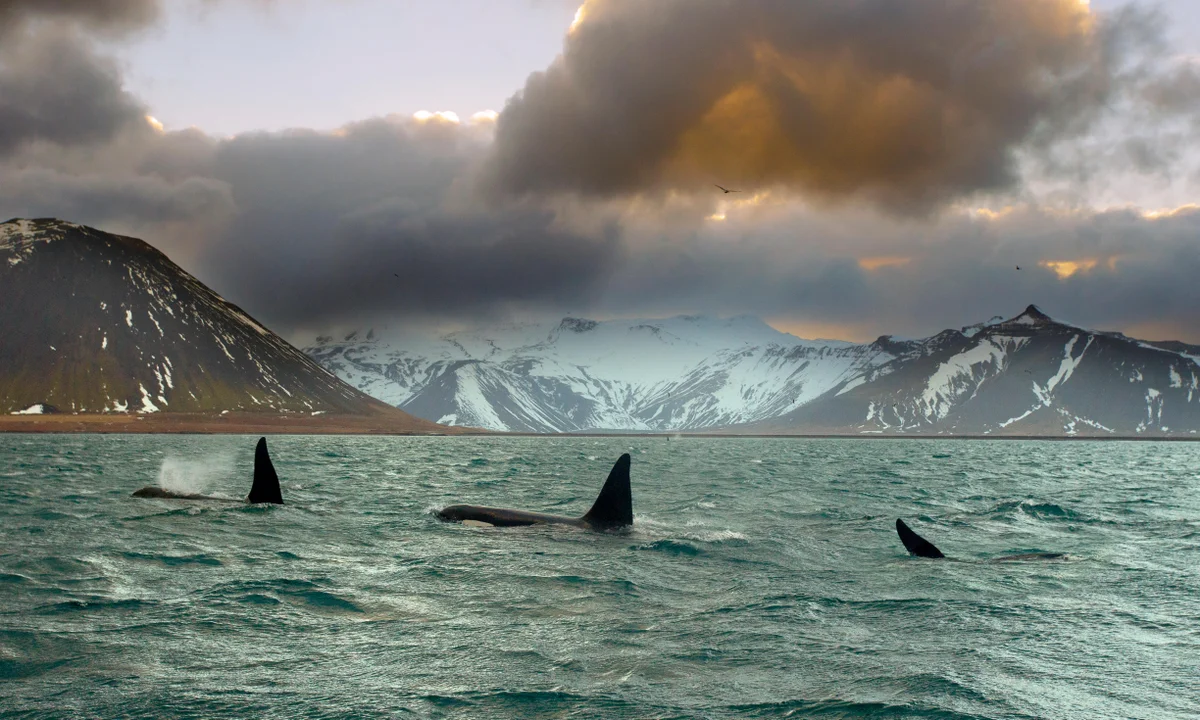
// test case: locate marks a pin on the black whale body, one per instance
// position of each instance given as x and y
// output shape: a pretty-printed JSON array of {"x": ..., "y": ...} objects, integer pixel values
[
  {"x": 264, "y": 490},
  {"x": 613, "y": 508},
  {"x": 920, "y": 547}
]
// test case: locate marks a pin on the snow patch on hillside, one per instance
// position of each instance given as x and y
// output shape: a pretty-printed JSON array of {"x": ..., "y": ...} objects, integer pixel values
[{"x": 962, "y": 373}]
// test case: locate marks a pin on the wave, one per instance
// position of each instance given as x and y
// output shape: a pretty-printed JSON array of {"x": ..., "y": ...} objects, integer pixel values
[
  {"x": 95, "y": 604},
  {"x": 671, "y": 547},
  {"x": 1037, "y": 510},
  {"x": 174, "y": 560},
  {"x": 302, "y": 593},
  {"x": 692, "y": 530},
  {"x": 844, "y": 710}
]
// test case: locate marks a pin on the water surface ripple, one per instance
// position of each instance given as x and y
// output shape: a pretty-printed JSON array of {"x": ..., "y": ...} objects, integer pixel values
[{"x": 763, "y": 579}]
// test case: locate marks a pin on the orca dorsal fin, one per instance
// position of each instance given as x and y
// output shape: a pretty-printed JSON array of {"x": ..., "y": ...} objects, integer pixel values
[
  {"x": 614, "y": 507},
  {"x": 916, "y": 544},
  {"x": 266, "y": 483}
]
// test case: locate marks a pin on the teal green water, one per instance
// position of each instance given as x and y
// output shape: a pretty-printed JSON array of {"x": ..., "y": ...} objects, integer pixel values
[{"x": 763, "y": 578}]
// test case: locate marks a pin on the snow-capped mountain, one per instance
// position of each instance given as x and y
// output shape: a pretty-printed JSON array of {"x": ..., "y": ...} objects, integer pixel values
[
  {"x": 99, "y": 323},
  {"x": 641, "y": 375},
  {"x": 1028, "y": 375}
]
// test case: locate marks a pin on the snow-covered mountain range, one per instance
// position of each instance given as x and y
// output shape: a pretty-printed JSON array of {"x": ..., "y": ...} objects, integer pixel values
[
  {"x": 679, "y": 373},
  {"x": 1027, "y": 375},
  {"x": 101, "y": 323}
]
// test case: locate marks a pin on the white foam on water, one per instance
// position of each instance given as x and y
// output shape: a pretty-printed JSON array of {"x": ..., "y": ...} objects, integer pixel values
[
  {"x": 196, "y": 475},
  {"x": 690, "y": 530}
]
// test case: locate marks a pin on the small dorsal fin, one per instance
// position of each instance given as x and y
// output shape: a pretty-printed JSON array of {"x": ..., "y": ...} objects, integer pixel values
[
  {"x": 916, "y": 544},
  {"x": 614, "y": 507},
  {"x": 266, "y": 483}
]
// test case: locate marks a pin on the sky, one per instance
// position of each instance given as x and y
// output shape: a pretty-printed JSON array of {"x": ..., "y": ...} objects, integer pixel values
[{"x": 327, "y": 164}]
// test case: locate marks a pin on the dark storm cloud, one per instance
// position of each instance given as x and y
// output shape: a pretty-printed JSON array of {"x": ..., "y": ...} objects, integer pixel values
[
  {"x": 54, "y": 88},
  {"x": 1115, "y": 269},
  {"x": 357, "y": 224},
  {"x": 108, "y": 15},
  {"x": 306, "y": 227},
  {"x": 1129, "y": 270},
  {"x": 909, "y": 104},
  {"x": 419, "y": 267},
  {"x": 105, "y": 198}
]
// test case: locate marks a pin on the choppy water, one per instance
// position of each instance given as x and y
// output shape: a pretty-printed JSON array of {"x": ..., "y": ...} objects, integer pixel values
[{"x": 763, "y": 579}]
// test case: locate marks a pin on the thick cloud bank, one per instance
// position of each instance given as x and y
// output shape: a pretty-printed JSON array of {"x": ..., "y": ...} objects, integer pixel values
[
  {"x": 53, "y": 88},
  {"x": 910, "y": 104}
]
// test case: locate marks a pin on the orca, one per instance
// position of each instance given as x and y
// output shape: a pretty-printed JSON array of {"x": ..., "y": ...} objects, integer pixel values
[
  {"x": 915, "y": 544},
  {"x": 613, "y": 509},
  {"x": 920, "y": 547},
  {"x": 265, "y": 489}
]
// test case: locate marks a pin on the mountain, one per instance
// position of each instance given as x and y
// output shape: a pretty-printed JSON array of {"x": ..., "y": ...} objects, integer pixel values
[
  {"x": 99, "y": 323},
  {"x": 683, "y": 373},
  {"x": 1028, "y": 375}
]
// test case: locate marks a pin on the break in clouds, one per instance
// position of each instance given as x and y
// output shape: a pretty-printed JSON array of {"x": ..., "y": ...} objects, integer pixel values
[{"x": 860, "y": 142}]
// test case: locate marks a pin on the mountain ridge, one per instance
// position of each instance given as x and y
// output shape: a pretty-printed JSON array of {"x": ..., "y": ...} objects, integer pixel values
[
  {"x": 693, "y": 373},
  {"x": 101, "y": 323}
]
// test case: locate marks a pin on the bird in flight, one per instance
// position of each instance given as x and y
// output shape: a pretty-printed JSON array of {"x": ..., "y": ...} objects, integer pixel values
[
  {"x": 726, "y": 191},
  {"x": 1018, "y": 267}
]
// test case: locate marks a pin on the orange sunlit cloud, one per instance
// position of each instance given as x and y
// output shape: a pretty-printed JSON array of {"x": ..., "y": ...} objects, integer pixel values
[
  {"x": 580, "y": 15},
  {"x": 1066, "y": 268},
  {"x": 726, "y": 207},
  {"x": 810, "y": 330},
  {"x": 871, "y": 264},
  {"x": 1164, "y": 213}
]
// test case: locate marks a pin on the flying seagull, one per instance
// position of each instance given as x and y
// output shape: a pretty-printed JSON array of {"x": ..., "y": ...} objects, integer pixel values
[{"x": 726, "y": 191}]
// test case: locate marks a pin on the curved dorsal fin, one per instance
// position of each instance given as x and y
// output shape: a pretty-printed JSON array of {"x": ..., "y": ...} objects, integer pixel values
[
  {"x": 916, "y": 544},
  {"x": 266, "y": 483},
  {"x": 614, "y": 507}
]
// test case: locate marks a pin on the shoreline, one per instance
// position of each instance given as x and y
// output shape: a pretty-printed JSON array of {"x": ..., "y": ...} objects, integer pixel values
[
  {"x": 255, "y": 424},
  {"x": 217, "y": 424}
]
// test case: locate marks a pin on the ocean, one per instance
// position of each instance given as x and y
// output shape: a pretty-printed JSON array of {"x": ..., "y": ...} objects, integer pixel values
[{"x": 763, "y": 578}]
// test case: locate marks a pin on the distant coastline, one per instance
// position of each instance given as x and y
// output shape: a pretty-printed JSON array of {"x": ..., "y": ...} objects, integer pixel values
[
  {"x": 259, "y": 424},
  {"x": 215, "y": 424}
]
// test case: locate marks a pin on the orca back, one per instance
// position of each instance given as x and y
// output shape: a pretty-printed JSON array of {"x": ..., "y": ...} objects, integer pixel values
[
  {"x": 916, "y": 544},
  {"x": 614, "y": 507},
  {"x": 266, "y": 483}
]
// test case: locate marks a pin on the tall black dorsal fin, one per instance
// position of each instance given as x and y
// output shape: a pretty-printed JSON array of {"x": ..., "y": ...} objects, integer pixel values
[
  {"x": 614, "y": 507},
  {"x": 266, "y": 483},
  {"x": 916, "y": 544}
]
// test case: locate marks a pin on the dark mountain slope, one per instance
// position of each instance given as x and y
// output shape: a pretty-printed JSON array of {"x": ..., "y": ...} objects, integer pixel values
[{"x": 97, "y": 323}]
